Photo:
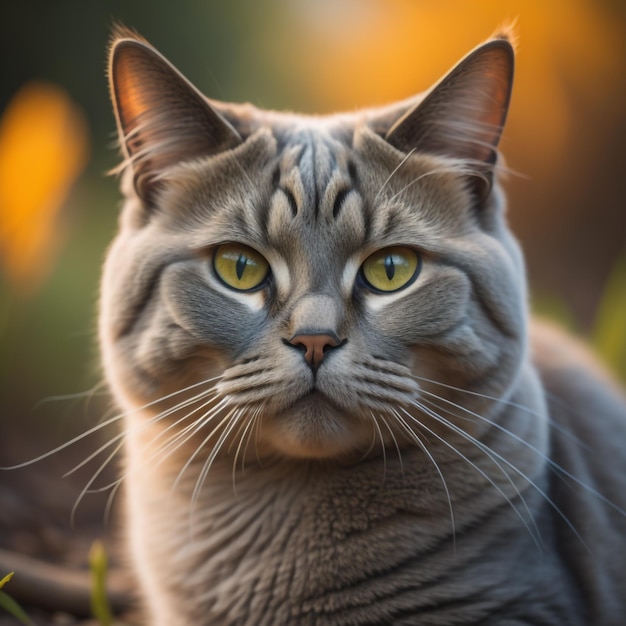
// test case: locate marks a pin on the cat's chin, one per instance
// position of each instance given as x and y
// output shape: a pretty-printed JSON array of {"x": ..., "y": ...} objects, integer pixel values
[{"x": 315, "y": 428}]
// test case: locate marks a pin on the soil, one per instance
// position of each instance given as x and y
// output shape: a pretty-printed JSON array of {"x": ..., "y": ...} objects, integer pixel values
[{"x": 47, "y": 546}]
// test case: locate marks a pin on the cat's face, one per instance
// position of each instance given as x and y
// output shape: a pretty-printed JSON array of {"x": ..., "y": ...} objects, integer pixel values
[{"x": 323, "y": 275}]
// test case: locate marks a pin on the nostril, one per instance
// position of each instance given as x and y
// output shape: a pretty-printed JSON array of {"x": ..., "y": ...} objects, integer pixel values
[{"x": 315, "y": 345}]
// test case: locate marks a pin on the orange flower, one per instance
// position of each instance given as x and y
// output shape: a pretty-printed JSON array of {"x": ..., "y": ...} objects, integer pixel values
[{"x": 43, "y": 149}]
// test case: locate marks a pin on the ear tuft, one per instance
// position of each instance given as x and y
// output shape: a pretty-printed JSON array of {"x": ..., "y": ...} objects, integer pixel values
[
  {"x": 162, "y": 118},
  {"x": 462, "y": 117}
]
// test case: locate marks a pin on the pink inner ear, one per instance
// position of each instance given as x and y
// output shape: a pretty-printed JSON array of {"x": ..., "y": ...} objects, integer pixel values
[
  {"x": 463, "y": 115},
  {"x": 162, "y": 118}
]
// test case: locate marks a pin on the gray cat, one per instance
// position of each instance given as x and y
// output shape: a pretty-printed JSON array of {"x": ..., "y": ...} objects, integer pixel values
[{"x": 336, "y": 409}]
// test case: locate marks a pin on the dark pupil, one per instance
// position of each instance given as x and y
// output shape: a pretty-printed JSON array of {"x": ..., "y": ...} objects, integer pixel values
[
  {"x": 242, "y": 261},
  {"x": 390, "y": 268}
]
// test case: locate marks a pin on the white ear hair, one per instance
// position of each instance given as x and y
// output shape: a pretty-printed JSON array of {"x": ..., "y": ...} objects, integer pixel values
[
  {"x": 462, "y": 117},
  {"x": 162, "y": 118}
]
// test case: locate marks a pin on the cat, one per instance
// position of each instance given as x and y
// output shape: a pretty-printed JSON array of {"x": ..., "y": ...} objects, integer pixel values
[{"x": 336, "y": 407}]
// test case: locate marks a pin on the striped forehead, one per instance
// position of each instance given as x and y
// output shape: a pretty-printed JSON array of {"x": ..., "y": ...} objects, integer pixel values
[{"x": 311, "y": 184}]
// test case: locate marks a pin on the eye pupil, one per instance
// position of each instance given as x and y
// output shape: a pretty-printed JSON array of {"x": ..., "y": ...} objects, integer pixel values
[
  {"x": 240, "y": 266},
  {"x": 390, "y": 268}
]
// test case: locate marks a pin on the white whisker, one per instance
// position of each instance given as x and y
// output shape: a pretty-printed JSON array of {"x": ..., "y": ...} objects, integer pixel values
[
  {"x": 532, "y": 526},
  {"x": 173, "y": 441},
  {"x": 244, "y": 428},
  {"x": 510, "y": 403},
  {"x": 103, "y": 425},
  {"x": 230, "y": 421},
  {"x": 367, "y": 452},
  {"x": 544, "y": 457},
  {"x": 394, "y": 172},
  {"x": 395, "y": 441},
  {"x": 442, "y": 170},
  {"x": 88, "y": 395},
  {"x": 415, "y": 437},
  {"x": 109, "y": 502},
  {"x": 90, "y": 482},
  {"x": 223, "y": 404},
  {"x": 382, "y": 445},
  {"x": 254, "y": 420}
]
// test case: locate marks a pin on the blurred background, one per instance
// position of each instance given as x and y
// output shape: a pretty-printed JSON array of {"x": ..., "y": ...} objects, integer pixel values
[{"x": 565, "y": 141}]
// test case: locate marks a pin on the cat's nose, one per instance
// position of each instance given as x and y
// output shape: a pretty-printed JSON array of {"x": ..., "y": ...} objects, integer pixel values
[{"x": 315, "y": 346}]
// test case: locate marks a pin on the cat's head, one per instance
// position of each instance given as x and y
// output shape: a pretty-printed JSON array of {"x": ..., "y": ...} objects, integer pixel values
[{"x": 323, "y": 275}]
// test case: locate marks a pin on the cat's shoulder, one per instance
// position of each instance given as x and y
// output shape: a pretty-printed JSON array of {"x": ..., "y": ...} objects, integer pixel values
[
  {"x": 581, "y": 394},
  {"x": 567, "y": 364}
]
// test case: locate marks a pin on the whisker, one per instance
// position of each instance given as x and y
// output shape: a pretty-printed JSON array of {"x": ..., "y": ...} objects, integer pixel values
[
  {"x": 492, "y": 453},
  {"x": 186, "y": 432},
  {"x": 242, "y": 427},
  {"x": 224, "y": 403},
  {"x": 247, "y": 426},
  {"x": 231, "y": 421},
  {"x": 477, "y": 394},
  {"x": 382, "y": 445},
  {"x": 90, "y": 393},
  {"x": 371, "y": 445},
  {"x": 172, "y": 442},
  {"x": 510, "y": 403},
  {"x": 257, "y": 436},
  {"x": 395, "y": 441},
  {"x": 521, "y": 474},
  {"x": 255, "y": 419},
  {"x": 559, "y": 469},
  {"x": 417, "y": 179},
  {"x": 109, "y": 503},
  {"x": 152, "y": 420},
  {"x": 93, "y": 455},
  {"x": 90, "y": 482},
  {"x": 534, "y": 531},
  {"x": 102, "y": 425},
  {"x": 394, "y": 172},
  {"x": 415, "y": 437}
]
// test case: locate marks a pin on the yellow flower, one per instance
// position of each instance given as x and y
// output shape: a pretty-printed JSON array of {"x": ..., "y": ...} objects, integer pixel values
[{"x": 43, "y": 149}]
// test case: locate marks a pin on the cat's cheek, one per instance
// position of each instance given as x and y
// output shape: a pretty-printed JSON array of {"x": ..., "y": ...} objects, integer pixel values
[{"x": 213, "y": 316}]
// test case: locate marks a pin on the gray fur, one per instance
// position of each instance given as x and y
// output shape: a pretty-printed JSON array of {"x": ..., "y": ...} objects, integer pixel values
[{"x": 435, "y": 469}]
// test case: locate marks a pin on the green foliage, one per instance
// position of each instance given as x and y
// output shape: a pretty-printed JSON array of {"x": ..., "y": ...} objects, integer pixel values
[
  {"x": 99, "y": 602},
  {"x": 609, "y": 333},
  {"x": 551, "y": 307},
  {"x": 10, "y": 605}
]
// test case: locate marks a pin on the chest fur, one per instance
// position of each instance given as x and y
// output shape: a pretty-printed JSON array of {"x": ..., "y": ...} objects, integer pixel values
[{"x": 311, "y": 546}]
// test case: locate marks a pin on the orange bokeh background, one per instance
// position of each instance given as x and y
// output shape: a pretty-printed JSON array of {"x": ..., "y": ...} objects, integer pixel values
[
  {"x": 43, "y": 149},
  {"x": 565, "y": 141}
]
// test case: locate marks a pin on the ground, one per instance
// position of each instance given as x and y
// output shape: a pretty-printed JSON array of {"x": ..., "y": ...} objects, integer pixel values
[{"x": 36, "y": 522}]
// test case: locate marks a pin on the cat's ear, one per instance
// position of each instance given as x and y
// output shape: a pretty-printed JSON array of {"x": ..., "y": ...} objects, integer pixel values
[
  {"x": 463, "y": 115},
  {"x": 162, "y": 118}
]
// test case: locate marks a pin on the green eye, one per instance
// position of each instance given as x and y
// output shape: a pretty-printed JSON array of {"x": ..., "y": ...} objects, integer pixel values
[
  {"x": 391, "y": 269},
  {"x": 240, "y": 267}
]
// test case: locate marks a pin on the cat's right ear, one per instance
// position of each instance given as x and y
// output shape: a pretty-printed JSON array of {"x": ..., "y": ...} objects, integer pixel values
[{"x": 162, "y": 118}]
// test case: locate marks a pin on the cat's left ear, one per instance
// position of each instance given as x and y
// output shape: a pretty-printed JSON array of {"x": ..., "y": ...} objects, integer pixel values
[
  {"x": 463, "y": 115},
  {"x": 162, "y": 118}
]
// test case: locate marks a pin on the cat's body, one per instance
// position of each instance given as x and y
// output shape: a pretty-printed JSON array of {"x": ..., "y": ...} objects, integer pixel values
[{"x": 316, "y": 328}]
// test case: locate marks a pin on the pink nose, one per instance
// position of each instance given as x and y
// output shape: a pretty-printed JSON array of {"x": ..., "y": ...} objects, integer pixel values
[{"x": 315, "y": 346}]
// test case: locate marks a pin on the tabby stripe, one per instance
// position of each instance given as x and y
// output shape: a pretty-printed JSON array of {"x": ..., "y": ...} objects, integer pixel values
[
  {"x": 293, "y": 205},
  {"x": 316, "y": 199},
  {"x": 339, "y": 201}
]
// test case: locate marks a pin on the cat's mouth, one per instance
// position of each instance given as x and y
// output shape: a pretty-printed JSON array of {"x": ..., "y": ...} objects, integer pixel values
[
  {"x": 314, "y": 426},
  {"x": 316, "y": 405}
]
